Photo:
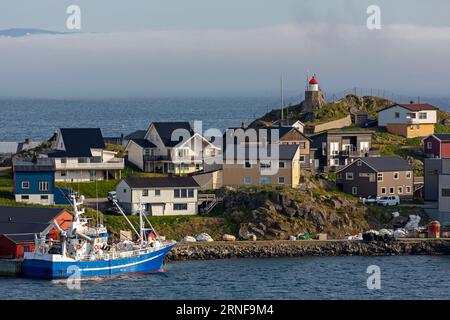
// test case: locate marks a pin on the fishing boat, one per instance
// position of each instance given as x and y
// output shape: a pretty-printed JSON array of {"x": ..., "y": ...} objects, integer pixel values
[{"x": 84, "y": 251}]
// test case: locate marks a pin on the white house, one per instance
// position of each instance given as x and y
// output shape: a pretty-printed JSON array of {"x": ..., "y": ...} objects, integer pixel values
[
  {"x": 80, "y": 156},
  {"x": 159, "y": 196},
  {"x": 170, "y": 147},
  {"x": 297, "y": 124},
  {"x": 409, "y": 120}
]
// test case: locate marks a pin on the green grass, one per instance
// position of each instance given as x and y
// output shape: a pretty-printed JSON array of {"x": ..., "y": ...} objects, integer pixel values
[{"x": 95, "y": 189}]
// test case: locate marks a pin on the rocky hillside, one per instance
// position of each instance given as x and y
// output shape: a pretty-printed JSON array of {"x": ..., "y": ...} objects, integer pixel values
[{"x": 330, "y": 111}]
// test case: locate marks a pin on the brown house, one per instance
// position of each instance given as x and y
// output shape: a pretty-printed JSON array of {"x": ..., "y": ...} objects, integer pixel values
[{"x": 377, "y": 176}]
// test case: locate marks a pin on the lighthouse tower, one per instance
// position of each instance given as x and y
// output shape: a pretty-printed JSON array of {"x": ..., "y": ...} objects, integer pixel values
[{"x": 313, "y": 96}]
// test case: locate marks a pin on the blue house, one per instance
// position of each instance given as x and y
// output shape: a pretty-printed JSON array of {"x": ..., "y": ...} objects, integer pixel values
[{"x": 34, "y": 182}]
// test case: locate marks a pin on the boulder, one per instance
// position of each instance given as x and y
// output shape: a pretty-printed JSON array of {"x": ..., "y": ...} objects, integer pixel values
[
  {"x": 228, "y": 237},
  {"x": 189, "y": 239},
  {"x": 204, "y": 237}
]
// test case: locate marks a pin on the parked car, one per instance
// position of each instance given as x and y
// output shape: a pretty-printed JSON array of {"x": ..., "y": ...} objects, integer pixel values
[
  {"x": 371, "y": 199},
  {"x": 113, "y": 211},
  {"x": 112, "y": 195},
  {"x": 389, "y": 201}
]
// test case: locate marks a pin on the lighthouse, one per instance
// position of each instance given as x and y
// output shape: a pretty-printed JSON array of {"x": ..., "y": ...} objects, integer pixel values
[
  {"x": 313, "y": 84},
  {"x": 313, "y": 96}
]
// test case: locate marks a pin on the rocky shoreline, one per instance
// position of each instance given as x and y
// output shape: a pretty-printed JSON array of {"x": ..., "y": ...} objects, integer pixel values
[{"x": 266, "y": 249}]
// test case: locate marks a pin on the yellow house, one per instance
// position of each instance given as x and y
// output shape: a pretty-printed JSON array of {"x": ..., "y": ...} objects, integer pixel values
[{"x": 409, "y": 120}]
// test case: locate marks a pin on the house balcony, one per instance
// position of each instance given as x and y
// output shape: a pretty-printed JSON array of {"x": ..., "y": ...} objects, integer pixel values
[
  {"x": 113, "y": 164},
  {"x": 360, "y": 153},
  {"x": 157, "y": 158}
]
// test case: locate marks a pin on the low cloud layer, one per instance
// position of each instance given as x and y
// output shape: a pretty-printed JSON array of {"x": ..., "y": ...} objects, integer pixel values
[{"x": 405, "y": 59}]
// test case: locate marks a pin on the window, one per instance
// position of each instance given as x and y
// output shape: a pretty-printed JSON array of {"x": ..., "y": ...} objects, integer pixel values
[
  {"x": 354, "y": 190},
  {"x": 63, "y": 160},
  {"x": 302, "y": 145},
  {"x": 145, "y": 193},
  {"x": 265, "y": 180},
  {"x": 445, "y": 192},
  {"x": 359, "y": 163},
  {"x": 25, "y": 197},
  {"x": 247, "y": 180},
  {"x": 157, "y": 192},
  {"x": 281, "y": 164},
  {"x": 176, "y": 193},
  {"x": 44, "y": 197},
  {"x": 44, "y": 185},
  {"x": 418, "y": 126},
  {"x": 124, "y": 190},
  {"x": 397, "y": 115},
  {"x": 183, "y": 193},
  {"x": 349, "y": 176},
  {"x": 82, "y": 160},
  {"x": 411, "y": 115},
  {"x": 280, "y": 180},
  {"x": 334, "y": 162},
  {"x": 190, "y": 193},
  {"x": 408, "y": 189},
  {"x": 379, "y": 176},
  {"x": 429, "y": 145},
  {"x": 411, "y": 127},
  {"x": 302, "y": 159},
  {"x": 391, "y": 190},
  {"x": 180, "y": 206},
  {"x": 422, "y": 115},
  {"x": 400, "y": 190},
  {"x": 247, "y": 165},
  {"x": 408, "y": 174},
  {"x": 63, "y": 173},
  {"x": 25, "y": 184},
  {"x": 383, "y": 190},
  {"x": 324, "y": 148},
  {"x": 396, "y": 175}
]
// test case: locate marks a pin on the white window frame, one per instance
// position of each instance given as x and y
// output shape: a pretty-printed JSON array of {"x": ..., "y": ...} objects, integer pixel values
[
  {"x": 247, "y": 180},
  {"x": 396, "y": 174},
  {"x": 408, "y": 175},
  {"x": 400, "y": 190},
  {"x": 281, "y": 182},
  {"x": 354, "y": 191},
  {"x": 379, "y": 175},
  {"x": 24, "y": 183},
  {"x": 408, "y": 189},
  {"x": 429, "y": 145},
  {"x": 393, "y": 190},
  {"x": 383, "y": 190},
  {"x": 349, "y": 176},
  {"x": 44, "y": 186}
]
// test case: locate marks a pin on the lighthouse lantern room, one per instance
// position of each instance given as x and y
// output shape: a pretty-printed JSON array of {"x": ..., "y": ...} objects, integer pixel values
[{"x": 313, "y": 84}]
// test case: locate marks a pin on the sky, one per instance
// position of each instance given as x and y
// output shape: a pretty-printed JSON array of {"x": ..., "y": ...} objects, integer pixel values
[{"x": 145, "y": 48}]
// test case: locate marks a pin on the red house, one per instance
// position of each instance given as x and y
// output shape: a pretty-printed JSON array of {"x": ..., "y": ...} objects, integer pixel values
[
  {"x": 18, "y": 226},
  {"x": 437, "y": 146}
]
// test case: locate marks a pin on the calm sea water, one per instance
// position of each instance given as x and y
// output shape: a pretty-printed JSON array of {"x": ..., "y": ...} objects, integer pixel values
[
  {"x": 402, "y": 277},
  {"x": 38, "y": 118}
]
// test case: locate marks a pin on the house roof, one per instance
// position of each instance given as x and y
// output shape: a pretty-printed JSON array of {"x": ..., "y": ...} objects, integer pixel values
[
  {"x": 144, "y": 143},
  {"x": 165, "y": 130},
  {"x": 383, "y": 164},
  {"x": 441, "y": 137},
  {"x": 285, "y": 152},
  {"x": 78, "y": 142},
  {"x": 138, "y": 134},
  {"x": 282, "y": 131},
  {"x": 21, "y": 237},
  {"x": 21, "y": 220},
  {"x": 288, "y": 123},
  {"x": 412, "y": 106},
  {"x": 162, "y": 182}
]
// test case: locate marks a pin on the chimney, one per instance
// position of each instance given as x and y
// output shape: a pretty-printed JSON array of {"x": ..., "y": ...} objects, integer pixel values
[
  {"x": 27, "y": 141},
  {"x": 411, "y": 102}
]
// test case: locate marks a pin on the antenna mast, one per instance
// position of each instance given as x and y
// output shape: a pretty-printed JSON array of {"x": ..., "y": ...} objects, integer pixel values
[{"x": 282, "y": 98}]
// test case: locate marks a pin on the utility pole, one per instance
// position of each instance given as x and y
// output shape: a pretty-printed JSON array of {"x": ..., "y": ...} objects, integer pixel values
[{"x": 282, "y": 98}]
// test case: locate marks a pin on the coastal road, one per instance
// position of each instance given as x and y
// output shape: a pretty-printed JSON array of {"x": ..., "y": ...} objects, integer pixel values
[{"x": 103, "y": 203}]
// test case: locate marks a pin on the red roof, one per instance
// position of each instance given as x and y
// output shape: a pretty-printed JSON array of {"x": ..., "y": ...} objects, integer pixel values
[
  {"x": 418, "y": 106},
  {"x": 412, "y": 106},
  {"x": 313, "y": 80}
]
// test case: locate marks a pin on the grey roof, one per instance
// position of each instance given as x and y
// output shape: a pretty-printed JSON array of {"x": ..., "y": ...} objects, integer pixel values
[
  {"x": 25, "y": 146},
  {"x": 165, "y": 130},
  {"x": 144, "y": 143},
  {"x": 162, "y": 182},
  {"x": 78, "y": 142},
  {"x": 138, "y": 134},
  {"x": 21, "y": 237},
  {"x": 249, "y": 152},
  {"x": 382, "y": 164},
  {"x": 21, "y": 220},
  {"x": 443, "y": 137}
]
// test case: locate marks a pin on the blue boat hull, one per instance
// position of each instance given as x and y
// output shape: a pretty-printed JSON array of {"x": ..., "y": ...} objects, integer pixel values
[{"x": 146, "y": 263}]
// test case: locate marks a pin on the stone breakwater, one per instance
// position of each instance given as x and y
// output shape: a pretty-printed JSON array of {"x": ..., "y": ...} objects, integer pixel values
[{"x": 266, "y": 249}]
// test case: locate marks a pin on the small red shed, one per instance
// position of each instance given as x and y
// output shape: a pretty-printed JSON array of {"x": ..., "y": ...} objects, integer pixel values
[
  {"x": 437, "y": 146},
  {"x": 18, "y": 226}
]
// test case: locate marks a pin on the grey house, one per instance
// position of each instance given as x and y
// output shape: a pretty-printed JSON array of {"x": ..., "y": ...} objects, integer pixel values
[
  {"x": 337, "y": 148},
  {"x": 377, "y": 176}
]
